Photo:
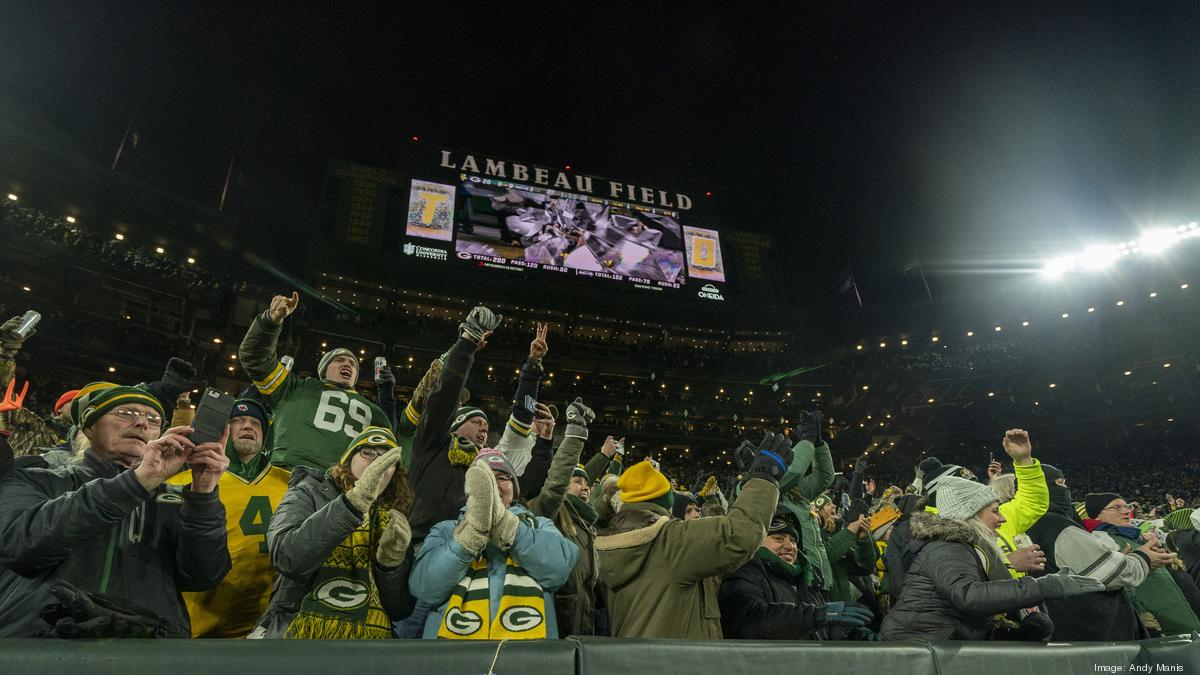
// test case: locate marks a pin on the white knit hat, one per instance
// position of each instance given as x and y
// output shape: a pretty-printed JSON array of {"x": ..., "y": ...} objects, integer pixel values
[{"x": 960, "y": 498}]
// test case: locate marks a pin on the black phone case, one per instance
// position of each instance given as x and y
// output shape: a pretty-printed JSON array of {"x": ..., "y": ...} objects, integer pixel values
[{"x": 211, "y": 416}]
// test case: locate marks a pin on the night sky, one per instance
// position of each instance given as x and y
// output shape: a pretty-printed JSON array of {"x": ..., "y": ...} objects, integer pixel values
[{"x": 983, "y": 137}]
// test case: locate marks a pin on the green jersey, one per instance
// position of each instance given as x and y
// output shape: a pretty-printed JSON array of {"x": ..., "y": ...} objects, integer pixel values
[{"x": 313, "y": 420}]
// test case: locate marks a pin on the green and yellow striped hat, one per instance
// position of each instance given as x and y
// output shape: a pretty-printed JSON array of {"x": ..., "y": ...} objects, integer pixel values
[
  {"x": 78, "y": 404},
  {"x": 376, "y": 437},
  {"x": 104, "y": 400}
]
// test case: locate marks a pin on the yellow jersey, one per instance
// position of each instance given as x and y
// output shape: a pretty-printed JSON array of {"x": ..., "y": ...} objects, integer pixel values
[{"x": 232, "y": 609}]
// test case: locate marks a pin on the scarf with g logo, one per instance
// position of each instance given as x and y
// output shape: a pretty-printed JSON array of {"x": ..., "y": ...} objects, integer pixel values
[{"x": 522, "y": 611}]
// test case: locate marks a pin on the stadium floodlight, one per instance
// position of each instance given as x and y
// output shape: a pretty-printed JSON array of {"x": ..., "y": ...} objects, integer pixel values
[
  {"x": 71, "y": 219},
  {"x": 12, "y": 197},
  {"x": 1056, "y": 267},
  {"x": 1158, "y": 239},
  {"x": 1098, "y": 257}
]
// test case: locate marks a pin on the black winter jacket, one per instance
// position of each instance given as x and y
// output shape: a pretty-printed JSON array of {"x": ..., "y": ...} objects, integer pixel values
[
  {"x": 760, "y": 601},
  {"x": 92, "y": 524}
]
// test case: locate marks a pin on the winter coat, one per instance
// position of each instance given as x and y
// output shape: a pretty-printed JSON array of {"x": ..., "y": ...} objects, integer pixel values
[
  {"x": 1187, "y": 544},
  {"x": 91, "y": 523},
  {"x": 949, "y": 593},
  {"x": 575, "y": 602},
  {"x": 539, "y": 548},
  {"x": 849, "y": 556},
  {"x": 1160, "y": 595},
  {"x": 796, "y": 492},
  {"x": 1100, "y": 616},
  {"x": 312, "y": 519},
  {"x": 663, "y": 575},
  {"x": 761, "y": 601}
]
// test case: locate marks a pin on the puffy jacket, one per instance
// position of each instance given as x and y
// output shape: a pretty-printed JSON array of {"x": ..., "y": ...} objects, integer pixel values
[
  {"x": 312, "y": 519},
  {"x": 92, "y": 524},
  {"x": 948, "y": 593},
  {"x": 761, "y": 601},
  {"x": 539, "y": 548},
  {"x": 663, "y": 575}
]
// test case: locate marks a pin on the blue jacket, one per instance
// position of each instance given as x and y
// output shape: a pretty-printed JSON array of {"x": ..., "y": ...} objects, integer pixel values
[{"x": 540, "y": 549}]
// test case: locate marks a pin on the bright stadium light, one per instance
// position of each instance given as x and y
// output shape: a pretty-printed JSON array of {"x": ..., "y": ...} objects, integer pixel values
[
  {"x": 1098, "y": 257},
  {"x": 1056, "y": 267},
  {"x": 12, "y": 197},
  {"x": 1158, "y": 240}
]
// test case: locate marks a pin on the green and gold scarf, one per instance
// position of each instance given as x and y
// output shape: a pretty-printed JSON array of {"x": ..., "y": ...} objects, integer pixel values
[
  {"x": 521, "y": 615},
  {"x": 343, "y": 603}
]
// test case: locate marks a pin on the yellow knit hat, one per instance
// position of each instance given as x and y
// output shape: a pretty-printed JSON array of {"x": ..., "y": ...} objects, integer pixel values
[
  {"x": 642, "y": 482},
  {"x": 378, "y": 437}
]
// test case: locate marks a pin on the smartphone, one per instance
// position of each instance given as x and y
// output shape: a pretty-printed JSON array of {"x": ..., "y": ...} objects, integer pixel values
[
  {"x": 380, "y": 364},
  {"x": 212, "y": 414}
]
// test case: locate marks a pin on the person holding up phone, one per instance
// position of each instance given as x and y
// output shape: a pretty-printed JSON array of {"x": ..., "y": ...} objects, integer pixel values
[{"x": 110, "y": 523}]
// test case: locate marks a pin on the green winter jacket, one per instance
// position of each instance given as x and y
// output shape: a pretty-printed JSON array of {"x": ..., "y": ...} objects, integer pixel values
[
  {"x": 1160, "y": 595},
  {"x": 663, "y": 575},
  {"x": 849, "y": 555},
  {"x": 797, "y": 491}
]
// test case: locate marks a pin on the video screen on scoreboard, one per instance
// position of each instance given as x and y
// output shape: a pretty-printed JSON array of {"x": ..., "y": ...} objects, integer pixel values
[{"x": 504, "y": 224}]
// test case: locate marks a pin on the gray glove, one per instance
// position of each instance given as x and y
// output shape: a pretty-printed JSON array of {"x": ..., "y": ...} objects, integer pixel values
[
  {"x": 367, "y": 488},
  {"x": 393, "y": 543},
  {"x": 479, "y": 323},
  {"x": 1067, "y": 585},
  {"x": 10, "y": 342},
  {"x": 504, "y": 524},
  {"x": 473, "y": 531},
  {"x": 578, "y": 417}
]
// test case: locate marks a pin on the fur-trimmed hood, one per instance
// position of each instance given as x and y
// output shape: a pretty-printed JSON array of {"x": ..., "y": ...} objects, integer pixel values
[
  {"x": 929, "y": 527},
  {"x": 629, "y": 538}
]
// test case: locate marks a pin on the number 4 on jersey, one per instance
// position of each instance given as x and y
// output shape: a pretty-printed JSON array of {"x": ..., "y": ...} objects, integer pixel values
[{"x": 256, "y": 519}]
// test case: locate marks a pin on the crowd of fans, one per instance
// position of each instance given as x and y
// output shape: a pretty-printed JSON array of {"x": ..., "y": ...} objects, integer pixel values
[{"x": 462, "y": 505}]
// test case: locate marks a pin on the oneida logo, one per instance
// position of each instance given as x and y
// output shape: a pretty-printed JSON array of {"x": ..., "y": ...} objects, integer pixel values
[{"x": 710, "y": 292}]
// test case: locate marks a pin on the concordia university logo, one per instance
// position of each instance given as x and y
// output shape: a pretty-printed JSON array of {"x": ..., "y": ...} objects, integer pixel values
[
  {"x": 425, "y": 252},
  {"x": 710, "y": 292}
]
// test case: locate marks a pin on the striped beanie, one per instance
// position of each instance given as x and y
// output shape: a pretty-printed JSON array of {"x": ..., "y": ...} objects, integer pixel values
[
  {"x": 104, "y": 400},
  {"x": 332, "y": 354},
  {"x": 74, "y": 409},
  {"x": 375, "y": 437}
]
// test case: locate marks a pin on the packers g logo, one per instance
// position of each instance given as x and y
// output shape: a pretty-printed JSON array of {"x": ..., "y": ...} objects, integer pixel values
[
  {"x": 463, "y": 623},
  {"x": 342, "y": 593},
  {"x": 378, "y": 439},
  {"x": 520, "y": 618}
]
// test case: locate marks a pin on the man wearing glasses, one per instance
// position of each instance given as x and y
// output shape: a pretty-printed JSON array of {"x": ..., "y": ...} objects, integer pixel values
[
  {"x": 1160, "y": 603},
  {"x": 108, "y": 524}
]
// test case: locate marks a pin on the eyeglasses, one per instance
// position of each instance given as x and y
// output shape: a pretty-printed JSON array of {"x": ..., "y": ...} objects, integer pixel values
[
  {"x": 1118, "y": 507},
  {"x": 132, "y": 416},
  {"x": 370, "y": 454}
]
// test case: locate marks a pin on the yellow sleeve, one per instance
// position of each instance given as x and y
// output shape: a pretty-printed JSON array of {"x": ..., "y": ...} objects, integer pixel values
[{"x": 1030, "y": 503}]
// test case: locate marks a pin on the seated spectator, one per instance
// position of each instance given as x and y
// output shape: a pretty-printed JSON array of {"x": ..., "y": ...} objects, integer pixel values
[
  {"x": 109, "y": 524},
  {"x": 1159, "y": 600},
  {"x": 491, "y": 573},
  {"x": 339, "y": 541},
  {"x": 663, "y": 574},
  {"x": 958, "y": 582},
  {"x": 250, "y": 490},
  {"x": 1184, "y": 538},
  {"x": 773, "y": 596}
]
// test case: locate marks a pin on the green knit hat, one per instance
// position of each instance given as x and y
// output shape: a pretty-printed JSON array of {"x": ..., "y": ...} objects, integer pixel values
[
  {"x": 465, "y": 413},
  {"x": 74, "y": 409},
  {"x": 332, "y": 354},
  {"x": 820, "y": 501},
  {"x": 104, "y": 400},
  {"x": 1179, "y": 519},
  {"x": 579, "y": 471},
  {"x": 375, "y": 437}
]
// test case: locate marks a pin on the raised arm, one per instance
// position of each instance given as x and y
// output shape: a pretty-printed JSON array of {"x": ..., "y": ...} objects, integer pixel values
[{"x": 257, "y": 351}]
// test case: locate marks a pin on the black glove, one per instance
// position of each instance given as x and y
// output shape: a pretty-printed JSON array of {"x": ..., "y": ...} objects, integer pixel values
[
  {"x": 847, "y": 614},
  {"x": 386, "y": 378},
  {"x": 79, "y": 614},
  {"x": 180, "y": 376},
  {"x": 772, "y": 457},
  {"x": 808, "y": 426},
  {"x": 861, "y": 466}
]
